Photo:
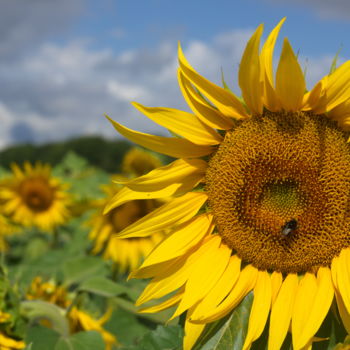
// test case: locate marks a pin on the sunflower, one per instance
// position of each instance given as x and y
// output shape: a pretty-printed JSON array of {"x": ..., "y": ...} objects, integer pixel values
[
  {"x": 125, "y": 253},
  {"x": 6, "y": 342},
  {"x": 78, "y": 320},
  {"x": 261, "y": 188},
  {"x": 32, "y": 197},
  {"x": 138, "y": 162}
]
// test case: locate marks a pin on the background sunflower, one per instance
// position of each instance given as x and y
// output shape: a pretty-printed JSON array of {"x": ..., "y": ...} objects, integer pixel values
[
  {"x": 32, "y": 197},
  {"x": 126, "y": 254}
]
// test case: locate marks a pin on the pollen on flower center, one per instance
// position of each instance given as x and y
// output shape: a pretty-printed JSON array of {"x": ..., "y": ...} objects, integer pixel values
[{"x": 279, "y": 189}]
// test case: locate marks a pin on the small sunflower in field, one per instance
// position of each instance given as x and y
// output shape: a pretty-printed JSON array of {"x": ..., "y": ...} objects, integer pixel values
[
  {"x": 78, "y": 320},
  {"x": 261, "y": 200},
  {"x": 126, "y": 253},
  {"x": 137, "y": 162},
  {"x": 32, "y": 197},
  {"x": 7, "y": 342}
]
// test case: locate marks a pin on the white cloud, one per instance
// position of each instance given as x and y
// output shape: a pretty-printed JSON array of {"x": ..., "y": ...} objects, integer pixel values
[
  {"x": 60, "y": 91},
  {"x": 125, "y": 92}
]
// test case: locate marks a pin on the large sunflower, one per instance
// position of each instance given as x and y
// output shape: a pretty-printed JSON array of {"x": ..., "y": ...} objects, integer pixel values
[
  {"x": 262, "y": 188},
  {"x": 125, "y": 253},
  {"x": 32, "y": 197}
]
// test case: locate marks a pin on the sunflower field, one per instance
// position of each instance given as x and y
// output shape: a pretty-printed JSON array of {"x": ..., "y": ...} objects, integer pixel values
[
  {"x": 63, "y": 277},
  {"x": 236, "y": 238}
]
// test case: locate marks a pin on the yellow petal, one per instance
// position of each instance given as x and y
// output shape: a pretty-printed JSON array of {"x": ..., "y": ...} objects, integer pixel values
[
  {"x": 179, "y": 171},
  {"x": 316, "y": 99},
  {"x": 182, "y": 123},
  {"x": 319, "y": 307},
  {"x": 164, "y": 305},
  {"x": 176, "y": 212},
  {"x": 281, "y": 312},
  {"x": 192, "y": 333},
  {"x": 260, "y": 308},
  {"x": 266, "y": 68},
  {"x": 337, "y": 86},
  {"x": 204, "y": 275},
  {"x": 127, "y": 195},
  {"x": 243, "y": 286},
  {"x": 7, "y": 343},
  {"x": 290, "y": 82},
  {"x": 181, "y": 240},
  {"x": 266, "y": 55},
  {"x": 249, "y": 73},
  {"x": 220, "y": 290},
  {"x": 171, "y": 146},
  {"x": 306, "y": 292},
  {"x": 343, "y": 312},
  {"x": 340, "y": 268},
  {"x": 276, "y": 282},
  {"x": 176, "y": 276},
  {"x": 341, "y": 114},
  {"x": 153, "y": 270},
  {"x": 206, "y": 113},
  {"x": 226, "y": 102}
]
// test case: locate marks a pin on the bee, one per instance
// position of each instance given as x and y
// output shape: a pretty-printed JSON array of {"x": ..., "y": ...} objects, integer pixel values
[{"x": 289, "y": 227}]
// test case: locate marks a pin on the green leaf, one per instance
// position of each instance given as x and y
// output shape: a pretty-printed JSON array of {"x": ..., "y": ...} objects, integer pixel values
[
  {"x": 229, "y": 332},
  {"x": 332, "y": 329},
  {"x": 37, "y": 309},
  {"x": 81, "y": 341},
  {"x": 126, "y": 327},
  {"x": 102, "y": 286},
  {"x": 163, "y": 338},
  {"x": 41, "y": 338},
  {"x": 76, "y": 270}
]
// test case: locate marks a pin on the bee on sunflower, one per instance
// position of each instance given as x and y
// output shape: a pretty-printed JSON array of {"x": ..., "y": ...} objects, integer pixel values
[
  {"x": 261, "y": 192},
  {"x": 33, "y": 197},
  {"x": 125, "y": 253}
]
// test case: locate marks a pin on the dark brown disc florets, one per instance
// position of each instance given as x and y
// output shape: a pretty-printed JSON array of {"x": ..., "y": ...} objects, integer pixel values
[{"x": 273, "y": 170}]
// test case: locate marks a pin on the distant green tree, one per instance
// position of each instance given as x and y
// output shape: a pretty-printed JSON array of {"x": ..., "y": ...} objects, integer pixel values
[{"x": 97, "y": 150}]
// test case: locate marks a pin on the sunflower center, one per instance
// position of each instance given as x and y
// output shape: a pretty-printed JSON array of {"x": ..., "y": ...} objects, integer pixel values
[
  {"x": 36, "y": 193},
  {"x": 279, "y": 189}
]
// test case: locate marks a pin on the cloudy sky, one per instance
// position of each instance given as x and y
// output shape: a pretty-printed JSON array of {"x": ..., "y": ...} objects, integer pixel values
[{"x": 64, "y": 63}]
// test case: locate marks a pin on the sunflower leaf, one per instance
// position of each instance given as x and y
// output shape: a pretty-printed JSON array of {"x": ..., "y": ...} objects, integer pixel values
[
  {"x": 81, "y": 341},
  {"x": 78, "y": 269},
  {"x": 162, "y": 338},
  {"x": 41, "y": 338},
  {"x": 102, "y": 286},
  {"x": 37, "y": 309},
  {"x": 229, "y": 332}
]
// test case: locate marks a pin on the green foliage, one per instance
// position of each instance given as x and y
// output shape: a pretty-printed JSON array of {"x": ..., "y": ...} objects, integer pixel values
[
  {"x": 64, "y": 257},
  {"x": 162, "y": 338},
  {"x": 99, "y": 152},
  {"x": 43, "y": 338},
  {"x": 229, "y": 332}
]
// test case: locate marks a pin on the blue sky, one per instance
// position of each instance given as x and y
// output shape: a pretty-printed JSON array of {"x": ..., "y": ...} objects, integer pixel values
[{"x": 65, "y": 63}]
